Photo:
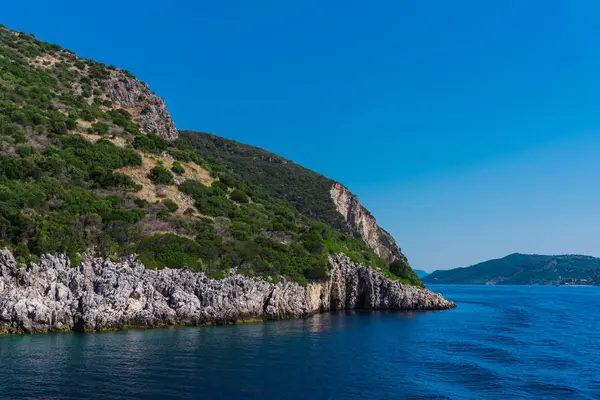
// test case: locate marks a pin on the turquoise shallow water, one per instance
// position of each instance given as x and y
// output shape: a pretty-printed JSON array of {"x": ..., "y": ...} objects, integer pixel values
[{"x": 501, "y": 342}]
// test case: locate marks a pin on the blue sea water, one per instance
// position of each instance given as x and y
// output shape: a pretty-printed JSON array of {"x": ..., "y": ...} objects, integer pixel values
[{"x": 501, "y": 342}]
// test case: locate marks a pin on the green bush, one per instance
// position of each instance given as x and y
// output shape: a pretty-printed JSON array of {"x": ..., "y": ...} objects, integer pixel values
[
  {"x": 25, "y": 150},
  {"x": 159, "y": 175},
  {"x": 150, "y": 143},
  {"x": 170, "y": 204},
  {"x": 171, "y": 251},
  {"x": 402, "y": 270},
  {"x": 238, "y": 196},
  {"x": 313, "y": 242},
  {"x": 100, "y": 128},
  {"x": 177, "y": 168}
]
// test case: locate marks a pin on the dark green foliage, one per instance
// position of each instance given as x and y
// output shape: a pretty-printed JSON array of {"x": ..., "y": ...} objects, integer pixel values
[
  {"x": 170, "y": 251},
  {"x": 193, "y": 188},
  {"x": 98, "y": 71},
  {"x": 100, "y": 128},
  {"x": 159, "y": 175},
  {"x": 170, "y": 204},
  {"x": 313, "y": 242},
  {"x": 122, "y": 118},
  {"x": 238, "y": 196},
  {"x": 186, "y": 155},
  {"x": 210, "y": 201},
  {"x": 25, "y": 150},
  {"x": 164, "y": 214},
  {"x": 402, "y": 270},
  {"x": 177, "y": 168},
  {"x": 150, "y": 143},
  {"x": 280, "y": 178}
]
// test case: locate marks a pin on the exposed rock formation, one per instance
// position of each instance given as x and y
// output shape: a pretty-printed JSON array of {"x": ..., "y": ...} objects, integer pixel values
[
  {"x": 363, "y": 224},
  {"x": 145, "y": 107},
  {"x": 100, "y": 294}
]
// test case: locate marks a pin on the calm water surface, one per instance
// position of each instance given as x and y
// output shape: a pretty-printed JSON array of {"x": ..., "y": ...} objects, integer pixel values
[{"x": 502, "y": 342}]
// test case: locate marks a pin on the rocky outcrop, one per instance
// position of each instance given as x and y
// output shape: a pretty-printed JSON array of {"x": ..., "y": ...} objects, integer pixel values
[
  {"x": 99, "y": 294},
  {"x": 146, "y": 108},
  {"x": 363, "y": 224}
]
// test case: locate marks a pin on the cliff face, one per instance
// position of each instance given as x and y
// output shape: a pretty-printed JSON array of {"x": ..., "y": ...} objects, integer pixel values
[
  {"x": 100, "y": 294},
  {"x": 362, "y": 223}
]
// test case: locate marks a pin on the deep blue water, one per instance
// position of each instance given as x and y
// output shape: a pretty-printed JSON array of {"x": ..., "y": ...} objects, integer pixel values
[{"x": 501, "y": 342}]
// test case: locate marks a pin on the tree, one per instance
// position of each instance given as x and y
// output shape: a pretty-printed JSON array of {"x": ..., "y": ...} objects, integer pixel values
[
  {"x": 401, "y": 269},
  {"x": 238, "y": 196},
  {"x": 159, "y": 175},
  {"x": 177, "y": 168},
  {"x": 100, "y": 128}
]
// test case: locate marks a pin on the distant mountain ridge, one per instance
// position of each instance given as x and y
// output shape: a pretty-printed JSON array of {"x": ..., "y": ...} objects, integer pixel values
[
  {"x": 420, "y": 273},
  {"x": 524, "y": 269}
]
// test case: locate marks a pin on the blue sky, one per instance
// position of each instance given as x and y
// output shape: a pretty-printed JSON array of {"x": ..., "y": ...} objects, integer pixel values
[{"x": 470, "y": 129}]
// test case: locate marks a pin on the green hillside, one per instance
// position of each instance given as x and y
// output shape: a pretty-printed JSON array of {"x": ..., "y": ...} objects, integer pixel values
[
  {"x": 85, "y": 166},
  {"x": 307, "y": 190},
  {"x": 525, "y": 269}
]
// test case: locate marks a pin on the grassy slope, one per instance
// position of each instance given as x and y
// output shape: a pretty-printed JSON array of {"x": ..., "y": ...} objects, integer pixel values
[{"x": 72, "y": 167}]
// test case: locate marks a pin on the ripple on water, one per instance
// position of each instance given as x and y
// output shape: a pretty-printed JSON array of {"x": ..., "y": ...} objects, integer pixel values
[{"x": 501, "y": 342}]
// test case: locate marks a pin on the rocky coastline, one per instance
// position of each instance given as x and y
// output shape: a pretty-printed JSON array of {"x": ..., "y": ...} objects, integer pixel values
[{"x": 98, "y": 294}]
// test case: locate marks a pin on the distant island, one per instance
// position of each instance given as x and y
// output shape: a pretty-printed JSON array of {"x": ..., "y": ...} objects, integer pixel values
[
  {"x": 420, "y": 273},
  {"x": 524, "y": 269}
]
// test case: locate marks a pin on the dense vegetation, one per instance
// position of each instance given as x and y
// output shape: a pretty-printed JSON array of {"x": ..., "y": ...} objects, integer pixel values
[
  {"x": 306, "y": 190},
  {"x": 525, "y": 269},
  {"x": 67, "y": 150}
]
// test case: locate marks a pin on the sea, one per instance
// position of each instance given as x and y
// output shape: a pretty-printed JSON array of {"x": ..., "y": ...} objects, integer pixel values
[{"x": 501, "y": 342}]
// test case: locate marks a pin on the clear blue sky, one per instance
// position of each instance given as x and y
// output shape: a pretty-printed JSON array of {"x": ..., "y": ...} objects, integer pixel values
[{"x": 471, "y": 129}]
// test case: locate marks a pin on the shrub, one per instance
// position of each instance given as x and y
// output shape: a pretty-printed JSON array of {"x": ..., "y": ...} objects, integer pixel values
[
  {"x": 193, "y": 188},
  {"x": 313, "y": 242},
  {"x": 238, "y": 196},
  {"x": 159, "y": 175},
  {"x": 170, "y": 204},
  {"x": 100, "y": 128},
  {"x": 151, "y": 143},
  {"x": 164, "y": 213},
  {"x": 185, "y": 155},
  {"x": 25, "y": 150},
  {"x": 169, "y": 251},
  {"x": 177, "y": 168},
  {"x": 402, "y": 270}
]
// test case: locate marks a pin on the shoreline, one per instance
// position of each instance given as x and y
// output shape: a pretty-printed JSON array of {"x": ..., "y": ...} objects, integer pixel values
[
  {"x": 250, "y": 321},
  {"x": 100, "y": 295}
]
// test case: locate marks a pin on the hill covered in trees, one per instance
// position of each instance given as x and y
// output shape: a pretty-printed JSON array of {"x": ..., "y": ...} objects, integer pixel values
[
  {"x": 524, "y": 269},
  {"x": 91, "y": 162}
]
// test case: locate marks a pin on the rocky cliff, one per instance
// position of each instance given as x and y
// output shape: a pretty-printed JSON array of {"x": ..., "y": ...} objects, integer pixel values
[
  {"x": 362, "y": 223},
  {"x": 99, "y": 294},
  {"x": 147, "y": 109}
]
